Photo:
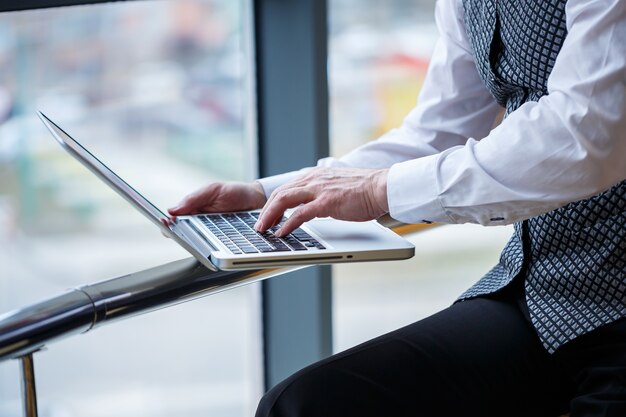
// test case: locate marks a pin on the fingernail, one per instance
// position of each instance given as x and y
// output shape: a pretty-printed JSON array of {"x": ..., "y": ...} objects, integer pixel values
[{"x": 257, "y": 226}]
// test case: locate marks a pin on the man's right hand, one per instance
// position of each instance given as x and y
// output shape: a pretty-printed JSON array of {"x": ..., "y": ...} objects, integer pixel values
[{"x": 222, "y": 197}]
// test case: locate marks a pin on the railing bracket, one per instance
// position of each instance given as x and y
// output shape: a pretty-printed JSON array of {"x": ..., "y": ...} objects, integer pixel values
[{"x": 29, "y": 391}]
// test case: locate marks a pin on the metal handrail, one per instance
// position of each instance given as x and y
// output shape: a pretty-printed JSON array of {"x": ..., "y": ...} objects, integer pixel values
[
  {"x": 84, "y": 308},
  {"x": 79, "y": 310}
]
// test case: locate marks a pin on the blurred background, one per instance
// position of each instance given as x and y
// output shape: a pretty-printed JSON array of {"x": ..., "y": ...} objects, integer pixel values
[{"x": 162, "y": 91}]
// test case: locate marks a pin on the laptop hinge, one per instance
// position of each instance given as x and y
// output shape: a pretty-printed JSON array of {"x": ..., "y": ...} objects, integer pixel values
[{"x": 194, "y": 236}]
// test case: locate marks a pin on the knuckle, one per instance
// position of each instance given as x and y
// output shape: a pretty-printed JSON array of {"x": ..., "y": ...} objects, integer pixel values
[
  {"x": 284, "y": 192},
  {"x": 296, "y": 217},
  {"x": 326, "y": 199},
  {"x": 304, "y": 213},
  {"x": 274, "y": 194}
]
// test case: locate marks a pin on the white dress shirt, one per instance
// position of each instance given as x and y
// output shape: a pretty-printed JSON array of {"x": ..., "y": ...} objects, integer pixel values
[{"x": 448, "y": 165}]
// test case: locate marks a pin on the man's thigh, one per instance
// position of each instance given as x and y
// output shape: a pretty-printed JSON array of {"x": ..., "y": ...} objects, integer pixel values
[
  {"x": 596, "y": 362},
  {"x": 478, "y": 357}
]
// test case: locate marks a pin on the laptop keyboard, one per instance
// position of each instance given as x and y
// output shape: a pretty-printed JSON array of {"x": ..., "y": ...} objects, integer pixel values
[{"x": 236, "y": 231}]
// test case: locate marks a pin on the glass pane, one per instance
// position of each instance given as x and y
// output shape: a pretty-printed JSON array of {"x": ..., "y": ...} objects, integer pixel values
[
  {"x": 160, "y": 91},
  {"x": 378, "y": 56}
]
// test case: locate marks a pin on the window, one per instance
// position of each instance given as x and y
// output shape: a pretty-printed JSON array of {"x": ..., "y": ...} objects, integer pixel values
[
  {"x": 162, "y": 92},
  {"x": 378, "y": 56}
]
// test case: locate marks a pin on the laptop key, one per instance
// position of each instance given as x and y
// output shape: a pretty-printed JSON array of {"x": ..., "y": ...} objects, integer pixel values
[
  {"x": 279, "y": 246},
  {"x": 295, "y": 244},
  {"x": 249, "y": 249}
]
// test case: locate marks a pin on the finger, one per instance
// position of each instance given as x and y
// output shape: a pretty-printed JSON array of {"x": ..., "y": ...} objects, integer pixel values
[
  {"x": 301, "y": 215},
  {"x": 275, "y": 222},
  {"x": 297, "y": 183},
  {"x": 189, "y": 204},
  {"x": 167, "y": 223},
  {"x": 270, "y": 200},
  {"x": 184, "y": 207},
  {"x": 174, "y": 211},
  {"x": 274, "y": 210}
]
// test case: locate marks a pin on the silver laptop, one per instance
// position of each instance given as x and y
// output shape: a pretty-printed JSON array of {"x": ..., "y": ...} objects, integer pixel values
[{"x": 228, "y": 241}]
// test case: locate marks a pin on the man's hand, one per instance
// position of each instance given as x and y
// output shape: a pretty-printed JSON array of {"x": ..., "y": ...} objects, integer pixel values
[
  {"x": 221, "y": 197},
  {"x": 342, "y": 193}
]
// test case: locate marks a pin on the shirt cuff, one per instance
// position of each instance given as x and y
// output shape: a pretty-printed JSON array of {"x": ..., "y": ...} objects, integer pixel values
[
  {"x": 269, "y": 184},
  {"x": 413, "y": 192}
]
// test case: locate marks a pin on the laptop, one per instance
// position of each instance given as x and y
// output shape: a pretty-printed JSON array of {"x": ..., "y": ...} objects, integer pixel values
[{"x": 228, "y": 241}]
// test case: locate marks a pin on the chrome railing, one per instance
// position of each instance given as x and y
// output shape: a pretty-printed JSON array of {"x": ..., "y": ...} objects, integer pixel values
[{"x": 27, "y": 330}]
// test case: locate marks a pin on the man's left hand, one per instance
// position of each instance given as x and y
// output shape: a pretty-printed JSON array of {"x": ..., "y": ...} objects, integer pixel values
[{"x": 342, "y": 193}]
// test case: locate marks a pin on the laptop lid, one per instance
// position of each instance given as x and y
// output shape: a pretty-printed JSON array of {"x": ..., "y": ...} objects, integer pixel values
[{"x": 124, "y": 189}]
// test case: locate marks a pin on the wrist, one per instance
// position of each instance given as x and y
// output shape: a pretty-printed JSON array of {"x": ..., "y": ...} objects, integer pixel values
[
  {"x": 258, "y": 193},
  {"x": 379, "y": 190}
]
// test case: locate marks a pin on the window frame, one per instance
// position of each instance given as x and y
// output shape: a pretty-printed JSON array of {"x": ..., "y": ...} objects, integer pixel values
[{"x": 292, "y": 94}]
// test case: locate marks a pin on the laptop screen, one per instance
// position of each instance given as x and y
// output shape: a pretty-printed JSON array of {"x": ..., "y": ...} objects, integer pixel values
[{"x": 101, "y": 170}]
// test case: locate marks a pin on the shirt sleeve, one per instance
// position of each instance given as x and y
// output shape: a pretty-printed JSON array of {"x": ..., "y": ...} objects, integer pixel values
[
  {"x": 271, "y": 183},
  {"x": 453, "y": 105},
  {"x": 569, "y": 145},
  {"x": 565, "y": 147}
]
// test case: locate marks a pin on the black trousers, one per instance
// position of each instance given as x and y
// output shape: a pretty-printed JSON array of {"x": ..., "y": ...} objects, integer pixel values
[{"x": 479, "y": 357}]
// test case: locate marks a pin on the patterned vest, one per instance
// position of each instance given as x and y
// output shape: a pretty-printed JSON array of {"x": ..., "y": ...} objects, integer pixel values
[{"x": 572, "y": 259}]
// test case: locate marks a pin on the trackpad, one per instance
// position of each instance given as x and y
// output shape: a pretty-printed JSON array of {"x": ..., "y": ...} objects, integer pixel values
[{"x": 339, "y": 230}]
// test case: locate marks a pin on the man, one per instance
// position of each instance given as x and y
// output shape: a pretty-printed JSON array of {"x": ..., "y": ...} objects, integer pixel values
[{"x": 543, "y": 333}]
